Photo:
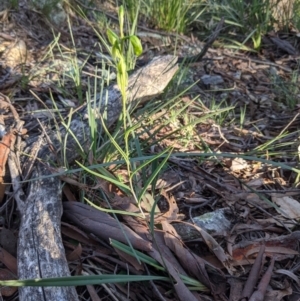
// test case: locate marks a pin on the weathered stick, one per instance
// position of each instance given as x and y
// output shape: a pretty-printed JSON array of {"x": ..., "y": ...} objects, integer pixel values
[{"x": 40, "y": 249}]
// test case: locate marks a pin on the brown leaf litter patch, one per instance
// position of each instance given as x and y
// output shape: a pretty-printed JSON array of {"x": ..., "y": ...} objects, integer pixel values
[{"x": 255, "y": 256}]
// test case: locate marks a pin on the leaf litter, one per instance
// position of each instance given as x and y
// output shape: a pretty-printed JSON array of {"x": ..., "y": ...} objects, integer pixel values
[{"x": 257, "y": 257}]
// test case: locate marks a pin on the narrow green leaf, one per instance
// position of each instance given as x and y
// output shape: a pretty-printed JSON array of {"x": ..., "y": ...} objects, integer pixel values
[
  {"x": 152, "y": 216},
  {"x": 142, "y": 257},
  {"x": 107, "y": 178},
  {"x": 153, "y": 175},
  {"x": 149, "y": 260},
  {"x": 144, "y": 164},
  {"x": 81, "y": 280}
]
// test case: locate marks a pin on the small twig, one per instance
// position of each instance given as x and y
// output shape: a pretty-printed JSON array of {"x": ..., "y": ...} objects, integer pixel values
[
  {"x": 6, "y": 104},
  {"x": 220, "y": 133},
  {"x": 192, "y": 207},
  {"x": 286, "y": 127},
  {"x": 6, "y": 36},
  {"x": 198, "y": 57},
  {"x": 295, "y": 190}
]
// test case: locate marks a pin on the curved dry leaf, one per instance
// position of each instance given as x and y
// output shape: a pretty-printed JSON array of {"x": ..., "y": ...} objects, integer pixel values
[
  {"x": 171, "y": 214},
  {"x": 290, "y": 274},
  {"x": 272, "y": 250},
  {"x": 284, "y": 246},
  {"x": 148, "y": 202},
  {"x": 288, "y": 207}
]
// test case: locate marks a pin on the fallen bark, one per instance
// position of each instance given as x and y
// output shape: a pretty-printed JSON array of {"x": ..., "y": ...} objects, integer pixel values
[{"x": 40, "y": 249}]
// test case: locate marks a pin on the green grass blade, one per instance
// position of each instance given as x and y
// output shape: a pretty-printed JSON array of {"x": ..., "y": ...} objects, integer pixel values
[
  {"x": 110, "y": 179},
  {"x": 153, "y": 175},
  {"x": 113, "y": 211},
  {"x": 81, "y": 280}
]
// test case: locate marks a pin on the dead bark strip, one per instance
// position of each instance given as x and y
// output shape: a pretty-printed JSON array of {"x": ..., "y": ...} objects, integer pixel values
[{"x": 40, "y": 249}]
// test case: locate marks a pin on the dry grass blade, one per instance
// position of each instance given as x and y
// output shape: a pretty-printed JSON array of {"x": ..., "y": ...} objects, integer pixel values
[{"x": 213, "y": 37}]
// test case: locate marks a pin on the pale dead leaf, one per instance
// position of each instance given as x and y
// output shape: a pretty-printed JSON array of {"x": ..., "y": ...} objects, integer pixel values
[
  {"x": 171, "y": 214},
  {"x": 148, "y": 202},
  {"x": 195, "y": 200},
  {"x": 288, "y": 207},
  {"x": 238, "y": 164},
  {"x": 290, "y": 274},
  {"x": 166, "y": 252},
  {"x": 272, "y": 250}
]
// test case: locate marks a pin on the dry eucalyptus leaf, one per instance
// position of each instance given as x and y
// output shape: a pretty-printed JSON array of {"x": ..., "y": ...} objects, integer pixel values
[{"x": 288, "y": 207}]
